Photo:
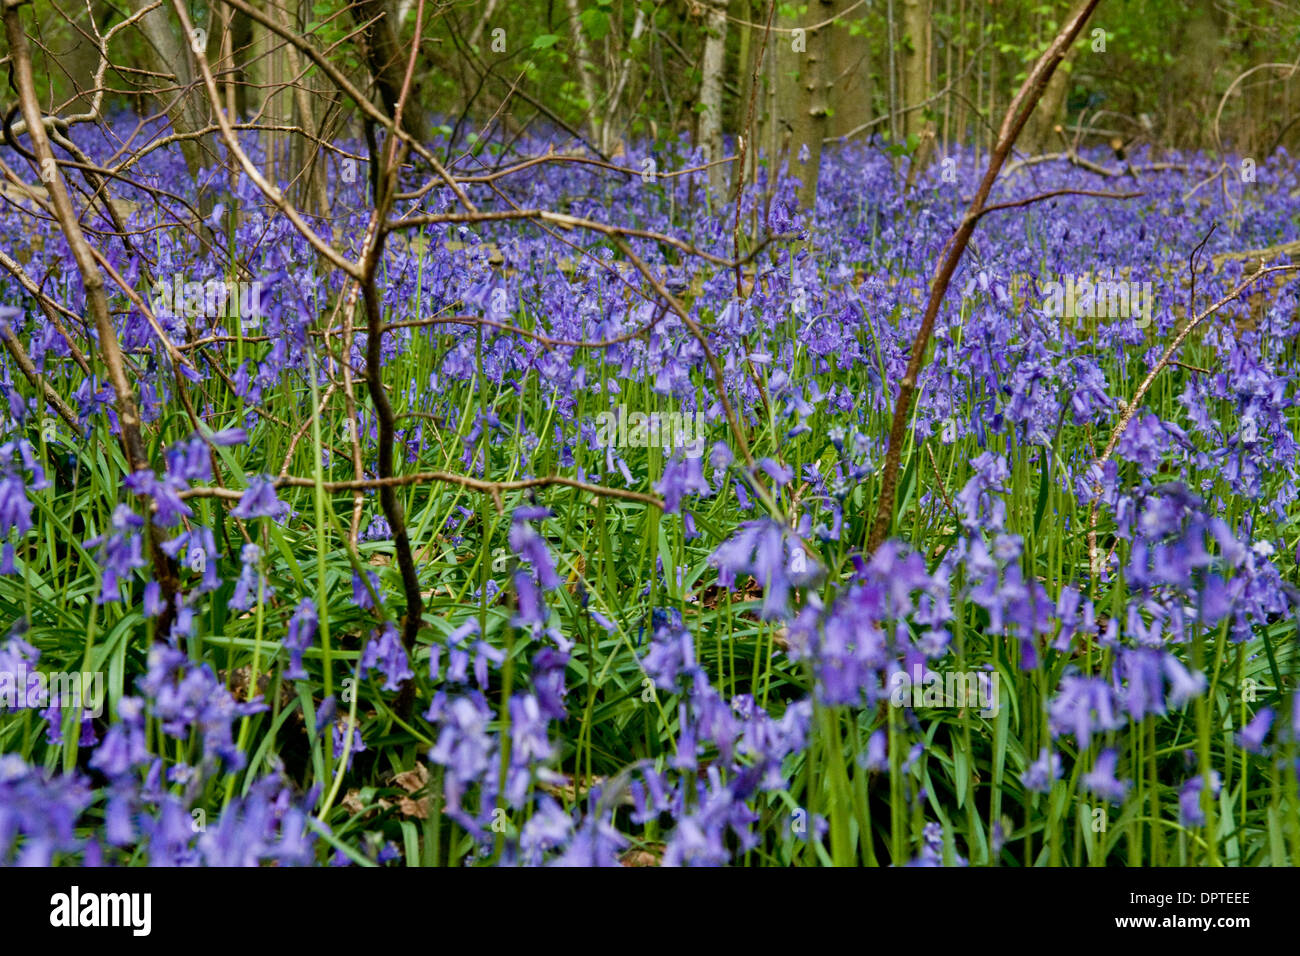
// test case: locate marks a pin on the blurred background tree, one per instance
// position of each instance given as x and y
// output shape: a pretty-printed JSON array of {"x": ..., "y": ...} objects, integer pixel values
[{"x": 916, "y": 77}]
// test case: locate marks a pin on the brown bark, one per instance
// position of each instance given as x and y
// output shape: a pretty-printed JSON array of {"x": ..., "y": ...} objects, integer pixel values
[
  {"x": 850, "y": 66},
  {"x": 809, "y": 120},
  {"x": 712, "y": 66},
  {"x": 585, "y": 64},
  {"x": 916, "y": 66},
  {"x": 168, "y": 53},
  {"x": 386, "y": 58},
  {"x": 1040, "y": 135}
]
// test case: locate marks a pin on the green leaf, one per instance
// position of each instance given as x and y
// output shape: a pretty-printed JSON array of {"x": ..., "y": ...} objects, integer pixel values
[{"x": 596, "y": 22}]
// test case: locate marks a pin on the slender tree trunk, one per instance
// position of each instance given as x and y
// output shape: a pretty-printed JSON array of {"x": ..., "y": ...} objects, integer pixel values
[
  {"x": 776, "y": 129},
  {"x": 916, "y": 64},
  {"x": 277, "y": 102},
  {"x": 168, "y": 53},
  {"x": 585, "y": 64},
  {"x": 961, "y": 81},
  {"x": 745, "y": 67},
  {"x": 851, "y": 82},
  {"x": 303, "y": 152},
  {"x": 990, "y": 107},
  {"x": 241, "y": 41},
  {"x": 613, "y": 123},
  {"x": 917, "y": 123},
  {"x": 386, "y": 57},
  {"x": 977, "y": 104},
  {"x": 712, "y": 66},
  {"x": 809, "y": 123},
  {"x": 948, "y": 78},
  {"x": 1039, "y": 135},
  {"x": 891, "y": 37},
  {"x": 259, "y": 99}
]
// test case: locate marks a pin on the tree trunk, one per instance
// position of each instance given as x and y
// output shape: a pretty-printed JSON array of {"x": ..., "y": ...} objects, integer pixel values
[
  {"x": 614, "y": 122},
  {"x": 891, "y": 37},
  {"x": 916, "y": 64},
  {"x": 77, "y": 58},
  {"x": 918, "y": 127},
  {"x": 851, "y": 87},
  {"x": 712, "y": 66},
  {"x": 386, "y": 58},
  {"x": 809, "y": 122},
  {"x": 585, "y": 64},
  {"x": 187, "y": 106},
  {"x": 1039, "y": 135},
  {"x": 241, "y": 42}
]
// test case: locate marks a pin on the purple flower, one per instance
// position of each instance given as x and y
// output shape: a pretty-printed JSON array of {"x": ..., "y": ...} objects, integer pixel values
[
  {"x": 262, "y": 826},
  {"x": 249, "y": 582},
  {"x": 38, "y": 813},
  {"x": 1183, "y": 685},
  {"x": 337, "y": 729},
  {"x": 196, "y": 549},
  {"x": 1189, "y": 798},
  {"x": 121, "y": 552},
  {"x": 979, "y": 506},
  {"x": 387, "y": 654},
  {"x": 1083, "y": 706},
  {"x": 692, "y": 844},
  {"x": 185, "y": 697},
  {"x": 15, "y": 508},
  {"x": 876, "y": 756},
  {"x": 682, "y": 476},
  {"x": 548, "y": 829},
  {"x": 1144, "y": 692},
  {"x": 467, "y": 752},
  {"x": 932, "y": 850},
  {"x": 361, "y": 594},
  {"x": 227, "y": 437},
  {"x": 672, "y": 650},
  {"x": 595, "y": 843},
  {"x": 299, "y": 637},
  {"x": 536, "y": 573},
  {"x": 1101, "y": 780},
  {"x": 1252, "y": 736},
  {"x": 123, "y": 748},
  {"x": 530, "y": 746},
  {"x": 1043, "y": 772},
  {"x": 259, "y": 500},
  {"x": 169, "y": 509},
  {"x": 758, "y": 548}
]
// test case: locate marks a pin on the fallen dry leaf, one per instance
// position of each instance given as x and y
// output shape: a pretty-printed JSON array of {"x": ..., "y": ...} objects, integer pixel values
[
  {"x": 413, "y": 780},
  {"x": 641, "y": 858}
]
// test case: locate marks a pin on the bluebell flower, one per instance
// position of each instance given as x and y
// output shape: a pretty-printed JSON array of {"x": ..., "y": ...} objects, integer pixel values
[
  {"x": 672, "y": 650},
  {"x": 361, "y": 594},
  {"x": 384, "y": 651},
  {"x": 758, "y": 548},
  {"x": 547, "y": 830},
  {"x": 121, "y": 552},
  {"x": 681, "y": 477},
  {"x": 1083, "y": 706},
  {"x": 1189, "y": 798},
  {"x": 249, "y": 582},
  {"x": 1251, "y": 737},
  {"x": 299, "y": 637},
  {"x": 1042, "y": 773},
  {"x": 1101, "y": 780},
  {"x": 259, "y": 501}
]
